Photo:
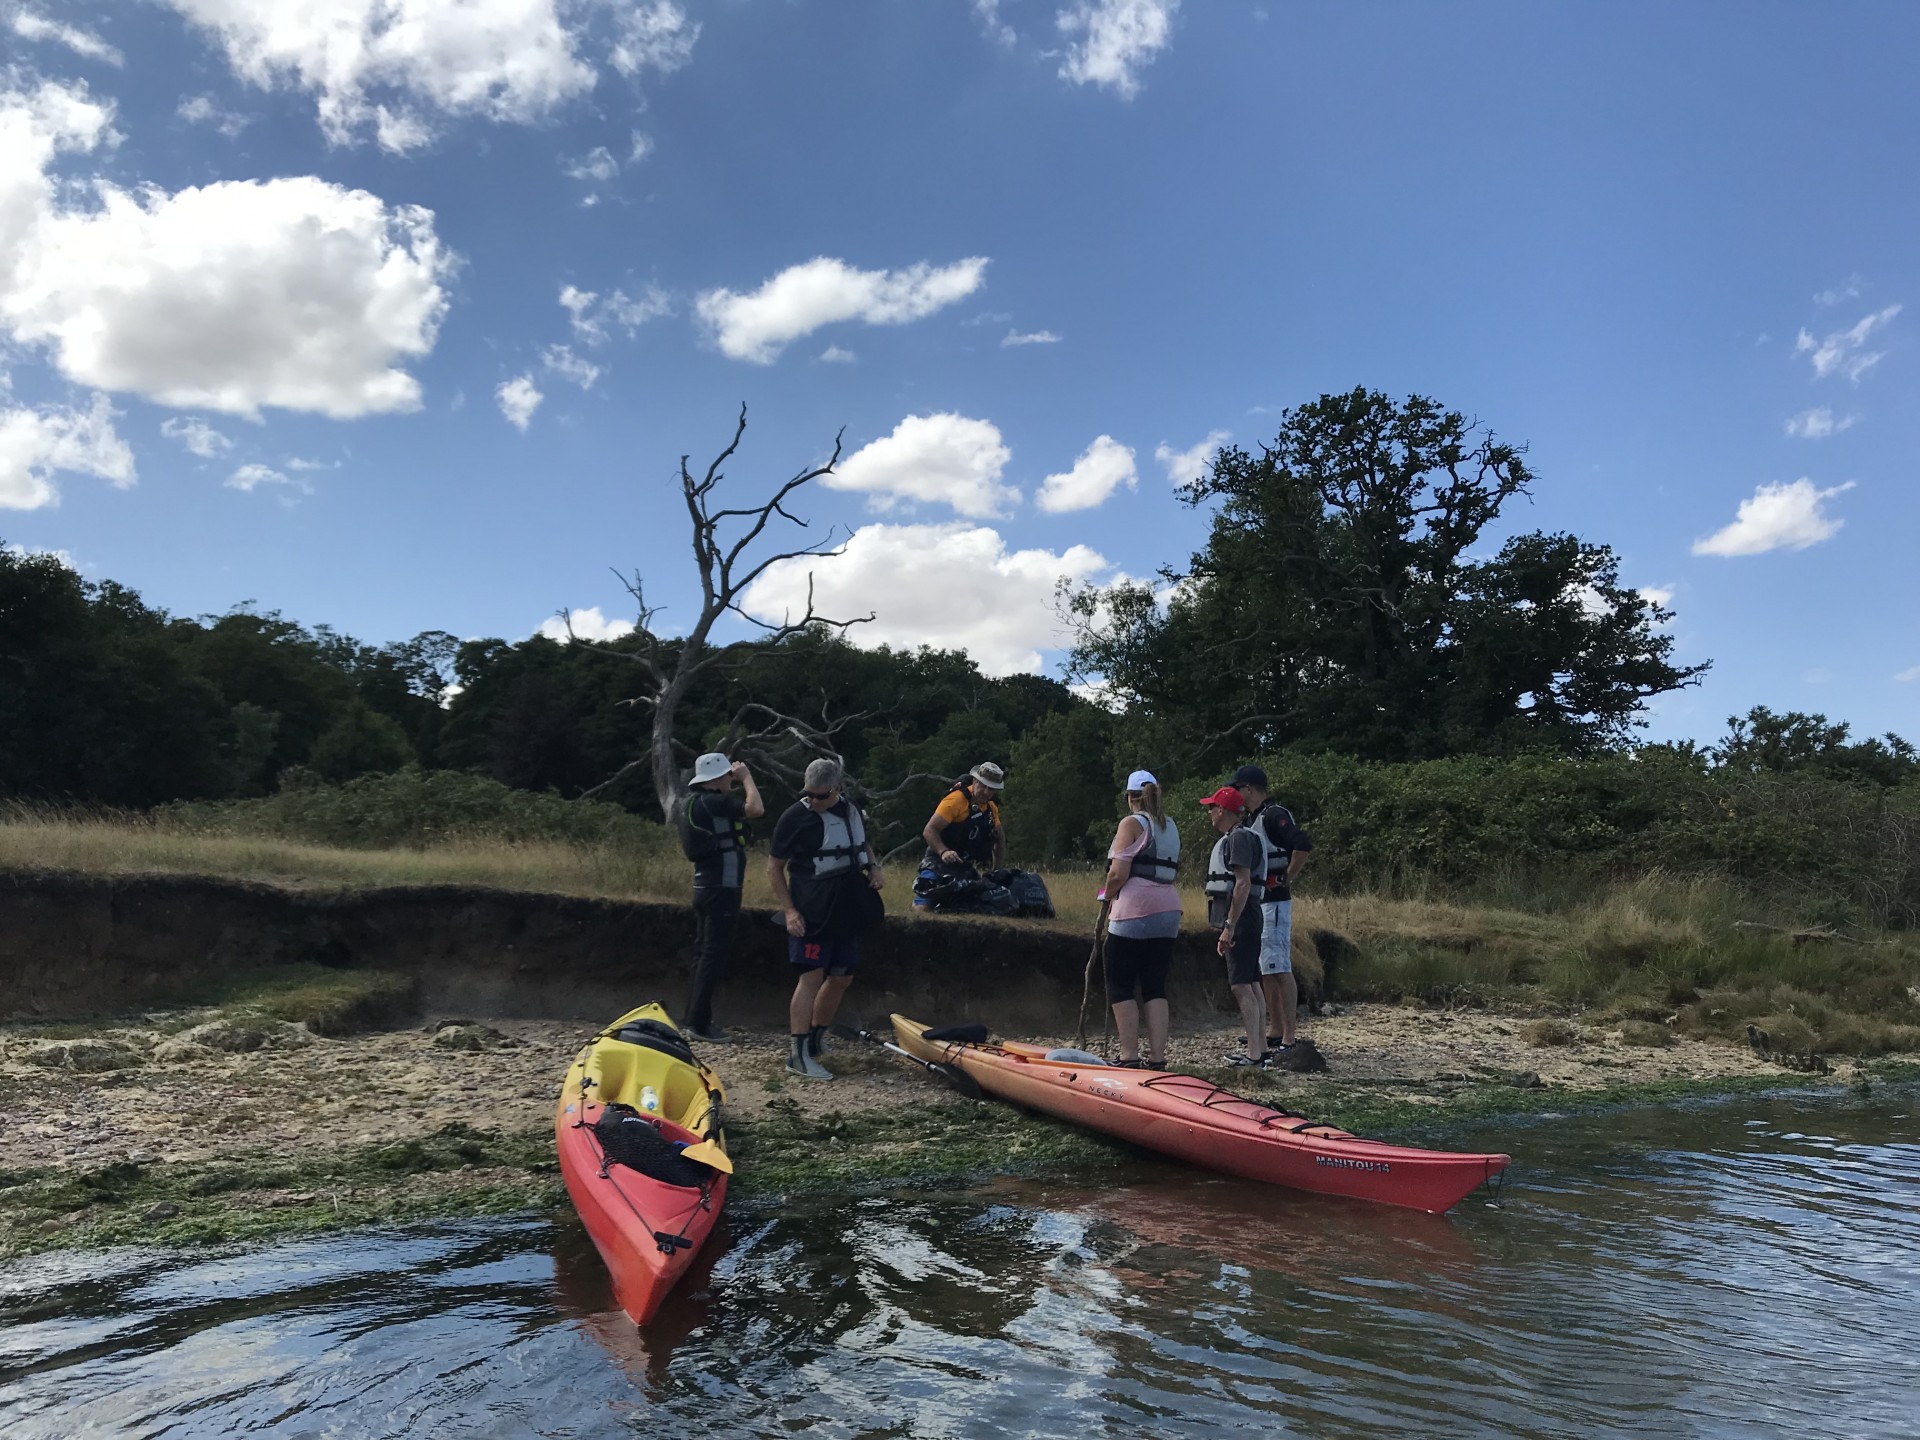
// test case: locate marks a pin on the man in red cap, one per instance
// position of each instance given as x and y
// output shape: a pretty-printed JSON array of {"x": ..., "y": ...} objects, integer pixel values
[{"x": 1231, "y": 909}]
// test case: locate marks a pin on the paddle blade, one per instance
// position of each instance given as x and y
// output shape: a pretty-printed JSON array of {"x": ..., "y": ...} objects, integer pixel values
[
  {"x": 709, "y": 1153},
  {"x": 959, "y": 1080}
]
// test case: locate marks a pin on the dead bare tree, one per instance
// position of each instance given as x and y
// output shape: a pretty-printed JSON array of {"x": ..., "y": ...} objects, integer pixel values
[{"x": 722, "y": 537}]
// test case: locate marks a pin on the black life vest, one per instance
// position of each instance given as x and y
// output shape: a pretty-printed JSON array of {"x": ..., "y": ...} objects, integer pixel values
[{"x": 971, "y": 838}]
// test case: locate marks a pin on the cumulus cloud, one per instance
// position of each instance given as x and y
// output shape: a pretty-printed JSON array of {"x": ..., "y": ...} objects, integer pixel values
[
  {"x": 946, "y": 458},
  {"x": 29, "y": 25},
  {"x": 758, "y": 325},
  {"x": 594, "y": 316},
  {"x": 838, "y": 355},
  {"x": 36, "y": 443},
  {"x": 1185, "y": 467},
  {"x": 588, "y": 624},
  {"x": 1110, "y": 41},
  {"x": 518, "y": 398},
  {"x": 205, "y": 110},
  {"x": 1845, "y": 351},
  {"x": 1777, "y": 517},
  {"x": 1029, "y": 337},
  {"x": 651, "y": 35},
  {"x": 199, "y": 437},
  {"x": 295, "y": 293},
  {"x": 1817, "y": 424},
  {"x": 1103, "y": 467},
  {"x": 996, "y": 604},
  {"x": 561, "y": 360}
]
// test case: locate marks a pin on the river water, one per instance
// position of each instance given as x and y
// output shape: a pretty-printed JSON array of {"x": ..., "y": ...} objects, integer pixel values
[{"x": 1749, "y": 1269}]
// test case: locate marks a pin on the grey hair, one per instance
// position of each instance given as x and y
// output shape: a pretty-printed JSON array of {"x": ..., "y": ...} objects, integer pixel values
[{"x": 823, "y": 774}]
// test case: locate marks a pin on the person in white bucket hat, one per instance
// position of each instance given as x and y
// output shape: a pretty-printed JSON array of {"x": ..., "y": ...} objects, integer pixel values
[
  {"x": 713, "y": 834},
  {"x": 964, "y": 835}
]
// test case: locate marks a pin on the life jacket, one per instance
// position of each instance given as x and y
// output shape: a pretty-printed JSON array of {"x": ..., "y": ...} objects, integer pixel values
[
  {"x": 972, "y": 837},
  {"x": 1274, "y": 872},
  {"x": 842, "y": 843},
  {"x": 1219, "y": 873},
  {"x": 1159, "y": 858},
  {"x": 708, "y": 837}
]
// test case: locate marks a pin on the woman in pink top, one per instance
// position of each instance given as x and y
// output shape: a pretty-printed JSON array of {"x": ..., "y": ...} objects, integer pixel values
[{"x": 1143, "y": 920}]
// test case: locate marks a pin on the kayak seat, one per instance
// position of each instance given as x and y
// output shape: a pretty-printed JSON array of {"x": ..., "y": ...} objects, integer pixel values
[
  {"x": 654, "y": 1035},
  {"x": 1066, "y": 1054}
]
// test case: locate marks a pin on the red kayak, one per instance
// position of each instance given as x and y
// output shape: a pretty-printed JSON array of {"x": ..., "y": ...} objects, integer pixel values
[
  {"x": 641, "y": 1150},
  {"x": 1195, "y": 1120}
]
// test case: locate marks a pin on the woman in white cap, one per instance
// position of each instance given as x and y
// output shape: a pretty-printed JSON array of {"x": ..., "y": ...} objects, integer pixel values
[
  {"x": 965, "y": 830},
  {"x": 713, "y": 834},
  {"x": 1143, "y": 920}
]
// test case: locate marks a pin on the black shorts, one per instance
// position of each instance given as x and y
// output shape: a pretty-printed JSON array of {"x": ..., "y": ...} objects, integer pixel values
[
  {"x": 1243, "y": 959},
  {"x": 1138, "y": 966},
  {"x": 836, "y": 957}
]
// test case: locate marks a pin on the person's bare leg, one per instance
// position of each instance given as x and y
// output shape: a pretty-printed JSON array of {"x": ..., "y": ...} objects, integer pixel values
[
  {"x": 1270, "y": 994},
  {"x": 800, "y": 1008},
  {"x": 1289, "y": 1007},
  {"x": 826, "y": 1004},
  {"x": 1126, "y": 1021},
  {"x": 1157, "y": 1030},
  {"x": 1253, "y": 1012}
]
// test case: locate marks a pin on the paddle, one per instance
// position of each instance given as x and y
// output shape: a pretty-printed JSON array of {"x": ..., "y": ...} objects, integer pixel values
[
  {"x": 952, "y": 1074},
  {"x": 709, "y": 1153}
]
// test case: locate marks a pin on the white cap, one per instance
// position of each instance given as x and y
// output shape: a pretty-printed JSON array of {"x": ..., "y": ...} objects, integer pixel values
[
  {"x": 710, "y": 766},
  {"x": 1139, "y": 779}
]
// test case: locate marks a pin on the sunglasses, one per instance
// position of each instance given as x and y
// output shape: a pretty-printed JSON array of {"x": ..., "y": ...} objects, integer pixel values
[{"x": 821, "y": 794}]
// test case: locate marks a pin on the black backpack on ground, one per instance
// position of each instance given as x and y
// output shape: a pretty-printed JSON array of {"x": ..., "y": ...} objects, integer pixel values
[
  {"x": 1029, "y": 891},
  {"x": 966, "y": 894}
]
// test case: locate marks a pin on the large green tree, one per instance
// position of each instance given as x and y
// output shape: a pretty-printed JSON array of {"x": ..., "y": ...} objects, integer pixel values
[{"x": 1345, "y": 599}]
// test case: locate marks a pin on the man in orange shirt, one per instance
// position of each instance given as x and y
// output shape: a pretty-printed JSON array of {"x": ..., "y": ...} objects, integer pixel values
[{"x": 964, "y": 837}]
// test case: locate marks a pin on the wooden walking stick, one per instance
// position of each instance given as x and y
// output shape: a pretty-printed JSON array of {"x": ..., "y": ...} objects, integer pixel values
[{"x": 1098, "y": 954}]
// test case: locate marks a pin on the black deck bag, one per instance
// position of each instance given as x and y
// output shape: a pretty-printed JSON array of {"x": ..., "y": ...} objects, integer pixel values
[
  {"x": 964, "y": 895},
  {"x": 1029, "y": 891},
  {"x": 628, "y": 1138}
]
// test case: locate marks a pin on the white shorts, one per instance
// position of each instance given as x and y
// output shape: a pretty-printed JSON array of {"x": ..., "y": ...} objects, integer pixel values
[{"x": 1276, "y": 937}]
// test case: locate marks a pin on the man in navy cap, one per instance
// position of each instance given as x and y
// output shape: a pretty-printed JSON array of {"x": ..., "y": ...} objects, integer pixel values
[{"x": 1287, "y": 846}]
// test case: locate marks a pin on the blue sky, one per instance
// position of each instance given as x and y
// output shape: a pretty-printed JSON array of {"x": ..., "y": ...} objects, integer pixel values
[{"x": 403, "y": 323}]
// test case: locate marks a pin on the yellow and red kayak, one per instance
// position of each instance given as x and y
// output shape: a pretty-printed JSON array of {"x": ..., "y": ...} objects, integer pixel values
[
  {"x": 1195, "y": 1120},
  {"x": 642, "y": 1153}
]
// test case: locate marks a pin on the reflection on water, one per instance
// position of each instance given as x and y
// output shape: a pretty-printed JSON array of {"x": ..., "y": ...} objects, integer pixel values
[{"x": 1747, "y": 1270}]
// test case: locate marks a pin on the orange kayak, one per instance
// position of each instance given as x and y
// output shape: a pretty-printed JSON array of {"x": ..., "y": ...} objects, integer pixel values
[
  {"x": 1195, "y": 1120},
  {"x": 641, "y": 1150}
]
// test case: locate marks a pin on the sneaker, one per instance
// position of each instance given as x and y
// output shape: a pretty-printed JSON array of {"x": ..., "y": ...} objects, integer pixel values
[
  {"x": 1153, "y": 1065},
  {"x": 711, "y": 1035},
  {"x": 1239, "y": 1057},
  {"x": 801, "y": 1062}
]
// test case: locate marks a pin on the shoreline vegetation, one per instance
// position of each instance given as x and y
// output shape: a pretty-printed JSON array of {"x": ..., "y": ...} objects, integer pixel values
[{"x": 1513, "y": 1000}]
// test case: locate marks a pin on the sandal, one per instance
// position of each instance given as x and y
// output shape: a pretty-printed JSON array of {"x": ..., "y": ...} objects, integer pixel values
[{"x": 1239, "y": 1057}]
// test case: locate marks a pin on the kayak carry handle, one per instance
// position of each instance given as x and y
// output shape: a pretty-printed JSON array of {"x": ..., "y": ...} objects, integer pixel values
[{"x": 670, "y": 1243}]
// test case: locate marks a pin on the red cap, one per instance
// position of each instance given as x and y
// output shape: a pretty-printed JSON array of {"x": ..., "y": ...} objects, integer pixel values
[{"x": 1228, "y": 799}]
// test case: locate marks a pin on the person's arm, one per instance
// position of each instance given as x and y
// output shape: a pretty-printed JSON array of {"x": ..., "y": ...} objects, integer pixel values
[
  {"x": 936, "y": 837},
  {"x": 1120, "y": 868},
  {"x": 754, "y": 806},
  {"x": 1237, "y": 902},
  {"x": 782, "y": 896}
]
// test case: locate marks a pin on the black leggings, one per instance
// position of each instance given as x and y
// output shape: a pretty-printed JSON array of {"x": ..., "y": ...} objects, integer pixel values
[{"x": 1138, "y": 965}]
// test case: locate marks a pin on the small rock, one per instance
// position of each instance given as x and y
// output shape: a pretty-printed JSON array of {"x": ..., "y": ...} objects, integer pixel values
[
  {"x": 1527, "y": 1080},
  {"x": 89, "y": 1057},
  {"x": 292, "y": 1198},
  {"x": 470, "y": 1036},
  {"x": 165, "y": 1210}
]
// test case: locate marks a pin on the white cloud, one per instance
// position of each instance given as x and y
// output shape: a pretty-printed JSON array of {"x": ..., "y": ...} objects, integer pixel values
[
  {"x": 561, "y": 360},
  {"x": 588, "y": 624},
  {"x": 997, "y": 30},
  {"x": 1030, "y": 337},
  {"x": 251, "y": 477},
  {"x": 199, "y": 437},
  {"x": 1660, "y": 595},
  {"x": 1777, "y": 517},
  {"x": 31, "y": 26},
  {"x": 838, "y": 355},
  {"x": 1184, "y": 467},
  {"x": 300, "y": 466},
  {"x": 1908, "y": 675},
  {"x": 504, "y": 60},
  {"x": 945, "y": 458},
  {"x": 799, "y": 300},
  {"x": 1113, "y": 39},
  {"x": 1103, "y": 467},
  {"x": 591, "y": 315},
  {"x": 597, "y": 165},
  {"x": 1817, "y": 424},
  {"x": 1846, "y": 350},
  {"x": 38, "y": 443},
  {"x": 205, "y": 110},
  {"x": 996, "y": 604},
  {"x": 642, "y": 147},
  {"x": 1848, "y": 289},
  {"x": 651, "y": 35},
  {"x": 518, "y": 399},
  {"x": 65, "y": 557},
  {"x": 294, "y": 293}
]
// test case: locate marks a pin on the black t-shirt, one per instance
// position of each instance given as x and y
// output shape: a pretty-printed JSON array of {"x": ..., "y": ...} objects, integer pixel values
[
  {"x": 1283, "y": 838},
  {"x": 826, "y": 854},
  {"x": 724, "y": 815}
]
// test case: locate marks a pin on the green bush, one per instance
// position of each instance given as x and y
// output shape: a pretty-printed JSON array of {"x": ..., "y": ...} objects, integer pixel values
[{"x": 416, "y": 808}]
